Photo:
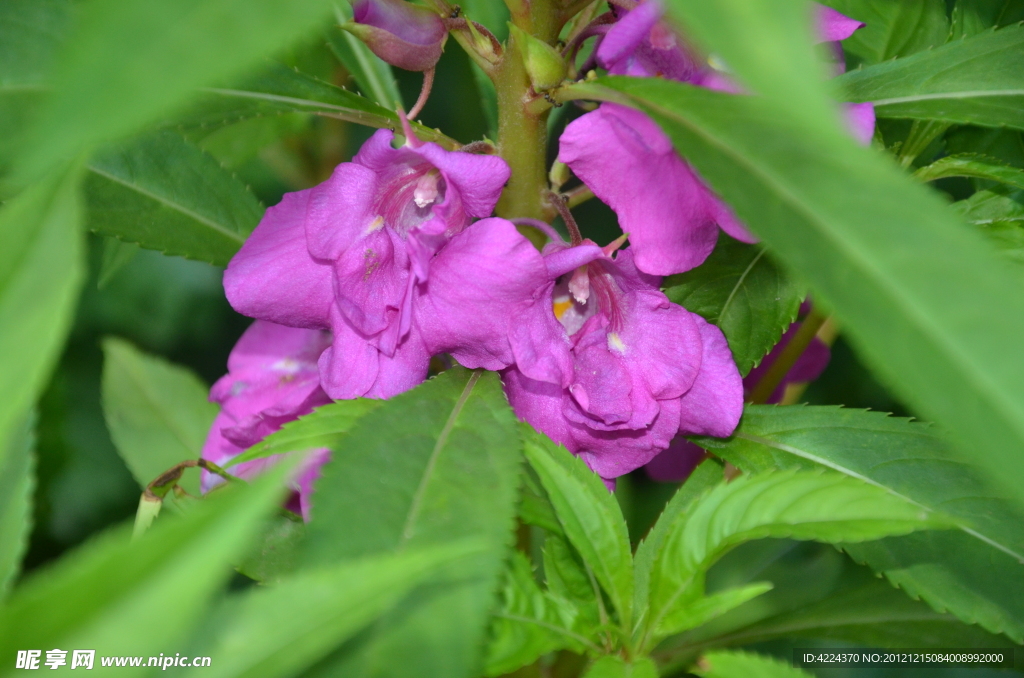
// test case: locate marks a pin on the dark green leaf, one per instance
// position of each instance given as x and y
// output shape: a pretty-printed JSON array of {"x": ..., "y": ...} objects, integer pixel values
[
  {"x": 893, "y": 29},
  {"x": 124, "y": 597},
  {"x": 17, "y": 483},
  {"x": 165, "y": 194},
  {"x": 970, "y": 571},
  {"x": 978, "y": 167},
  {"x": 536, "y": 510},
  {"x": 614, "y": 666},
  {"x": 372, "y": 74},
  {"x": 279, "y": 89},
  {"x": 437, "y": 463},
  {"x": 128, "y": 63},
  {"x": 277, "y": 631},
  {"x": 826, "y": 507},
  {"x": 924, "y": 299},
  {"x": 988, "y": 208},
  {"x": 745, "y": 665},
  {"x": 590, "y": 517},
  {"x": 530, "y": 623},
  {"x": 116, "y": 254},
  {"x": 743, "y": 291},
  {"x": 41, "y": 271},
  {"x": 323, "y": 427},
  {"x": 976, "y": 81},
  {"x": 158, "y": 413},
  {"x": 970, "y": 17},
  {"x": 567, "y": 578}
]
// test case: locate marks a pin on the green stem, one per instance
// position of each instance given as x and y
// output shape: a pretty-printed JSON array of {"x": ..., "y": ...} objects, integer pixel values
[{"x": 788, "y": 357}]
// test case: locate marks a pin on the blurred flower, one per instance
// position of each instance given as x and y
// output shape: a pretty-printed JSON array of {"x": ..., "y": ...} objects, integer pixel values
[
  {"x": 354, "y": 255},
  {"x": 671, "y": 216},
  {"x": 808, "y": 367},
  {"x": 642, "y": 368},
  {"x": 399, "y": 32},
  {"x": 272, "y": 380},
  {"x": 675, "y": 464}
]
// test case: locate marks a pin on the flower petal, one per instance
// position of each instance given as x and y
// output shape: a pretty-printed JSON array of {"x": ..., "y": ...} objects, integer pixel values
[
  {"x": 714, "y": 405},
  {"x": 628, "y": 33},
  {"x": 830, "y": 25},
  {"x": 340, "y": 210},
  {"x": 675, "y": 464}
]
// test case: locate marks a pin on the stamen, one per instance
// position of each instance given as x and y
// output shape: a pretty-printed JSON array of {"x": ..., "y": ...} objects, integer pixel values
[
  {"x": 426, "y": 192},
  {"x": 579, "y": 285}
]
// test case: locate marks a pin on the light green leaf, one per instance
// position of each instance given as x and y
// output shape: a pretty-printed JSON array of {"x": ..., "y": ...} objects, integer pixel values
[
  {"x": 567, "y": 578},
  {"x": 158, "y": 413},
  {"x": 986, "y": 208},
  {"x": 975, "y": 81},
  {"x": 530, "y": 623},
  {"x": 275, "y": 554},
  {"x": 712, "y": 606},
  {"x": 745, "y": 665},
  {"x": 279, "y": 89},
  {"x": 277, "y": 631},
  {"x": 323, "y": 427},
  {"x": 826, "y": 507},
  {"x": 614, "y": 666},
  {"x": 17, "y": 482},
  {"x": 41, "y": 272},
  {"x": 537, "y": 510},
  {"x": 123, "y": 597},
  {"x": 703, "y": 478},
  {"x": 893, "y": 29},
  {"x": 129, "y": 63},
  {"x": 974, "y": 166},
  {"x": 745, "y": 293},
  {"x": 970, "y": 571},
  {"x": 925, "y": 301},
  {"x": 163, "y": 193},
  {"x": 590, "y": 517},
  {"x": 372, "y": 74},
  {"x": 434, "y": 464}
]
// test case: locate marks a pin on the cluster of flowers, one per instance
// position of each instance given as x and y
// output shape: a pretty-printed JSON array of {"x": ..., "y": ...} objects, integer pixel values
[{"x": 357, "y": 282}]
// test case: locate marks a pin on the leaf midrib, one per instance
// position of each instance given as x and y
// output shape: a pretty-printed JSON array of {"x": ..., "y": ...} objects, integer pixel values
[{"x": 968, "y": 94}]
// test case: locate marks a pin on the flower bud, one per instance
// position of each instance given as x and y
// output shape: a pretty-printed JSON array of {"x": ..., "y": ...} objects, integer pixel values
[
  {"x": 544, "y": 64},
  {"x": 404, "y": 35}
]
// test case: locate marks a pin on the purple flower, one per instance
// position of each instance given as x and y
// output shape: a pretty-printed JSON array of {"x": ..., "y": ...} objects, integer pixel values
[
  {"x": 642, "y": 369},
  {"x": 272, "y": 379},
  {"x": 675, "y": 464},
  {"x": 354, "y": 255},
  {"x": 399, "y": 32},
  {"x": 671, "y": 216}
]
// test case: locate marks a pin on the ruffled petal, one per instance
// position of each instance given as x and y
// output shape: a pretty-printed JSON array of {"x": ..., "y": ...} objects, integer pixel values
[
  {"x": 630, "y": 164},
  {"x": 714, "y": 405},
  {"x": 477, "y": 179},
  {"x": 340, "y": 211},
  {"x": 611, "y": 454},
  {"x": 371, "y": 281},
  {"x": 273, "y": 277}
]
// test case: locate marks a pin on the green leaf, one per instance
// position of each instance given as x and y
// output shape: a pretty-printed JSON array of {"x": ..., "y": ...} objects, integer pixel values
[
  {"x": 971, "y": 571},
  {"x": 277, "y": 631},
  {"x": 372, "y": 74},
  {"x": 590, "y": 517},
  {"x": 276, "y": 551},
  {"x": 116, "y": 255},
  {"x": 743, "y": 291},
  {"x": 124, "y": 597},
  {"x": 158, "y": 413},
  {"x": 41, "y": 271},
  {"x": 614, "y": 666},
  {"x": 893, "y": 29},
  {"x": 323, "y": 427},
  {"x": 437, "y": 463},
  {"x": 712, "y": 606},
  {"x": 163, "y": 193},
  {"x": 704, "y": 477},
  {"x": 128, "y": 63},
  {"x": 279, "y": 89},
  {"x": 530, "y": 623},
  {"x": 536, "y": 510},
  {"x": 17, "y": 482},
  {"x": 923, "y": 299},
  {"x": 988, "y": 208},
  {"x": 978, "y": 167},
  {"x": 975, "y": 81},
  {"x": 745, "y": 665},
  {"x": 567, "y": 578},
  {"x": 970, "y": 17},
  {"x": 827, "y": 507}
]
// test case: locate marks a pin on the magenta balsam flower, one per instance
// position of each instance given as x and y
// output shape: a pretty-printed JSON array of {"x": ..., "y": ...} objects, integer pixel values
[
  {"x": 354, "y": 255},
  {"x": 671, "y": 216},
  {"x": 642, "y": 369},
  {"x": 272, "y": 379},
  {"x": 403, "y": 34}
]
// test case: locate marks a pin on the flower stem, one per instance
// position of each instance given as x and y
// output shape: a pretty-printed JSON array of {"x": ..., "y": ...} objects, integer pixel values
[{"x": 788, "y": 357}]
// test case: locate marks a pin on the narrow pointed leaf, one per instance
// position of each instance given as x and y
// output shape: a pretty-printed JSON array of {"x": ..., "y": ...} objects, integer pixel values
[
  {"x": 158, "y": 413},
  {"x": 437, "y": 463},
  {"x": 977, "y": 80},
  {"x": 17, "y": 482},
  {"x": 972, "y": 572},
  {"x": 165, "y": 194},
  {"x": 743, "y": 291},
  {"x": 590, "y": 517},
  {"x": 977, "y": 167},
  {"x": 712, "y": 606}
]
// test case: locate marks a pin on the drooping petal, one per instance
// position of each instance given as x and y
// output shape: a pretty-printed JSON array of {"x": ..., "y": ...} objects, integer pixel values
[
  {"x": 611, "y": 454},
  {"x": 403, "y": 34},
  {"x": 630, "y": 164},
  {"x": 273, "y": 277},
  {"x": 714, "y": 404},
  {"x": 830, "y": 25},
  {"x": 263, "y": 344}
]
